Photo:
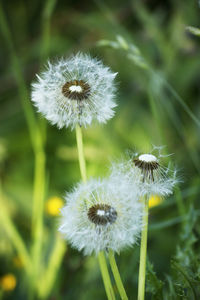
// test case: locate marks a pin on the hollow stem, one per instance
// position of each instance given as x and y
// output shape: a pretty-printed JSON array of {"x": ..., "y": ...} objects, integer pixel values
[
  {"x": 101, "y": 256},
  {"x": 117, "y": 276},
  {"x": 105, "y": 275},
  {"x": 143, "y": 251},
  {"x": 81, "y": 157}
]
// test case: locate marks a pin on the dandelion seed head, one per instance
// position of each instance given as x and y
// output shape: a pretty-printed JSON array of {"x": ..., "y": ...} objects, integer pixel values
[
  {"x": 147, "y": 158},
  {"x": 147, "y": 163},
  {"x": 77, "y": 90},
  {"x": 146, "y": 171},
  {"x": 100, "y": 215}
]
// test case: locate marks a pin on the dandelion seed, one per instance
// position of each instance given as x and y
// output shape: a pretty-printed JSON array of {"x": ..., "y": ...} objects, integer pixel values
[
  {"x": 147, "y": 163},
  {"x": 146, "y": 171},
  {"x": 101, "y": 215},
  {"x": 74, "y": 91}
]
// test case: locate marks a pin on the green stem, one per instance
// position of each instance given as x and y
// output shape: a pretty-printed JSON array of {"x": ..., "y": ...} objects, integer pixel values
[
  {"x": 47, "y": 280},
  {"x": 39, "y": 181},
  {"x": 117, "y": 276},
  {"x": 105, "y": 275},
  {"x": 38, "y": 207},
  {"x": 40, "y": 184},
  {"x": 18, "y": 74},
  {"x": 81, "y": 158},
  {"x": 37, "y": 144},
  {"x": 1, "y": 294},
  {"x": 46, "y": 18},
  {"x": 40, "y": 159},
  {"x": 34, "y": 130},
  {"x": 12, "y": 232},
  {"x": 143, "y": 251},
  {"x": 38, "y": 187},
  {"x": 101, "y": 257}
]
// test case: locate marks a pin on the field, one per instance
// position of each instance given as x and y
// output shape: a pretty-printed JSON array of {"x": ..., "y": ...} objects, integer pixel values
[{"x": 154, "y": 47}]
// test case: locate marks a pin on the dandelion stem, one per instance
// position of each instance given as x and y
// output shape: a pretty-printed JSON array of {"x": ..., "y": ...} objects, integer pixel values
[
  {"x": 82, "y": 164},
  {"x": 143, "y": 252},
  {"x": 105, "y": 275},
  {"x": 101, "y": 256},
  {"x": 117, "y": 276}
]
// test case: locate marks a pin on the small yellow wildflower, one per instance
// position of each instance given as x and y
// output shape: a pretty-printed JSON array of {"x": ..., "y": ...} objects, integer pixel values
[
  {"x": 53, "y": 205},
  {"x": 8, "y": 282},
  {"x": 155, "y": 200}
]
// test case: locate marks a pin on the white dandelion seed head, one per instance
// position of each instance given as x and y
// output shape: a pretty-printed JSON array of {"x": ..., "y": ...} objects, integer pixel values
[
  {"x": 146, "y": 171},
  {"x": 101, "y": 215},
  {"x": 147, "y": 158},
  {"x": 77, "y": 90}
]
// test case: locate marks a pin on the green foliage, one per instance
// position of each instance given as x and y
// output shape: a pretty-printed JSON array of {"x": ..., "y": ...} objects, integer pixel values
[
  {"x": 185, "y": 265},
  {"x": 183, "y": 280},
  {"x": 154, "y": 285}
]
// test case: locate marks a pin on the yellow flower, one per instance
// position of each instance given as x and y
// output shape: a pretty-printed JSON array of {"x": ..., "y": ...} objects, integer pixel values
[
  {"x": 155, "y": 200},
  {"x": 53, "y": 205},
  {"x": 8, "y": 282}
]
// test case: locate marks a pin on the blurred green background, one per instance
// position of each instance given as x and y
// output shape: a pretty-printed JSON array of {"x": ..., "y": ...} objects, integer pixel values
[{"x": 157, "y": 58}]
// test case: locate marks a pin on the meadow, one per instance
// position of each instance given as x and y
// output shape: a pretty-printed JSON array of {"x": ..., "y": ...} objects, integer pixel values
[{"x": 154, "y": 47}]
